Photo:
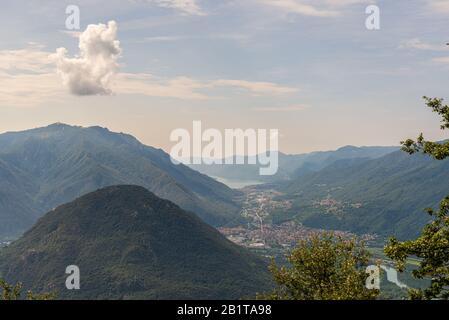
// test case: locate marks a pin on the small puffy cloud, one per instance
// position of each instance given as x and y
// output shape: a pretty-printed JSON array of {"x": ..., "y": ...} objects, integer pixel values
[
  {"x": 91, "y": 72},
  {"x": 28, "y": 77}
]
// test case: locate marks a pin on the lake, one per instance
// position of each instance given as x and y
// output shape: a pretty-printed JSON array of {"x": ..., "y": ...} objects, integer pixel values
[{"x": 237, "y": 184}]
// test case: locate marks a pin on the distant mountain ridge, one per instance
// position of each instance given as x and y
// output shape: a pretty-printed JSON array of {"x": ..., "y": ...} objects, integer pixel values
[
  {"x": 291, "y": 165},
  {"x": 130, "y": 244},
  {"x": 386, "y": 195},
  {"x": 45, "y": 167}
]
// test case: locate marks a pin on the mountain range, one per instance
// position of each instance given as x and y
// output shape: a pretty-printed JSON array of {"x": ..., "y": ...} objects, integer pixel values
[
  {"x": 45, "y": 167},
  {"x": 378, "y": 190},
  {"x": 386, "y": 195},
  {"x": 290, "y": 165},
  {"x": 130, "y": 244}
]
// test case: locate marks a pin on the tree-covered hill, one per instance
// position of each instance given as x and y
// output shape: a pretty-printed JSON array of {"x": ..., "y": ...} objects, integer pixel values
[
  {"x": 45, "y": 167},
  {"x": 130, "y": 244},
  {"x": 384, "y": 196}
]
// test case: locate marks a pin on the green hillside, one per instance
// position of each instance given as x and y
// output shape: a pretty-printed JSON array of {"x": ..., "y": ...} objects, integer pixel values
[
  {"x": 384, "y": 196},
  {"x": 130, "y": 244},
  {"x": 45, "y": 167}
]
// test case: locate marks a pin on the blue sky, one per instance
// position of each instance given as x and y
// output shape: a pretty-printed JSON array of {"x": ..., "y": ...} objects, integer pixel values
[{"x": 308, "y": 68}]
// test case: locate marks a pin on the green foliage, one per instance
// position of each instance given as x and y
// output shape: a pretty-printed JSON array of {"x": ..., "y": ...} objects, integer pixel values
[
  {"x": 10, "y": 292},
  {"x": 323, "y": 267},
  {"x": 437, "y": 150},
  {"x": 14, "y": 292},
  {"x": 433, "y": 248},
  {"x": 433, "y": 244}
]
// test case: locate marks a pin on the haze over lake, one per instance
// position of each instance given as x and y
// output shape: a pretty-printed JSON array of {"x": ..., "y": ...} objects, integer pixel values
[{"x": 237, "y": 184}]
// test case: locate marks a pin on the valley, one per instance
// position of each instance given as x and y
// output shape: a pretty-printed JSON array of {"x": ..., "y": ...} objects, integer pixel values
[
  {"x": 263, "y": 236},
  {"x": 259, "y": 205}
]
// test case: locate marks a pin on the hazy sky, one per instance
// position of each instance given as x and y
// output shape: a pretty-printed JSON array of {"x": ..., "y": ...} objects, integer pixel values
[{"x": 308, "y": 68}]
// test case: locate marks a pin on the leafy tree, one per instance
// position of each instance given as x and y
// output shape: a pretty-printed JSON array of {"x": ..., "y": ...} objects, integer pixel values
[
  {"x": 433, "y": 244},
  {"x": 14, "y": 292},
  {"x": 437, "y": 150},
  {"x": 323, "y": 267},
  {"x": 9, "y": 292}
]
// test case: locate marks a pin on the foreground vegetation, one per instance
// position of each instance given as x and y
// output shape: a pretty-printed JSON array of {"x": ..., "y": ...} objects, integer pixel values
[
  {"x": 15, "y": 292},
  {"x": 323, "y": 267},
  {"x": 432, "y": 246}
]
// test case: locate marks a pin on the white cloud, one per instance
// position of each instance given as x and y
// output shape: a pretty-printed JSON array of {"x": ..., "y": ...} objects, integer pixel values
[
  {"x": 341, "y": 3},
  {"x": 315, "y": 8},
  {"x": 212, "y": 36},
  {"x": 27, "y": 76},
  {"x": 148, "y": 85},
  {"x": 30, "y": 59},
  {"x": 186, "y": 88},
  {"x": 420, "y": 45},
  {"x": 443, "y": 60},
  {"x": 188, "y": 7},
  {"x": 91, "y": 72},
  {"x": 162, "y": 39},
  {"x": 71, "y": 33},
  {"x": 291, "y": 108},
  {"x": 441, "y": 6},
  {"x": 255, "y": 87},
  {"x": 300, "y": 7},
  {"x": 27, "y": 90}
]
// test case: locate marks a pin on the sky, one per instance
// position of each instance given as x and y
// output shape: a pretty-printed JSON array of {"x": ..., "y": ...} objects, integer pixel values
[{"x": 310, "y": 69}]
